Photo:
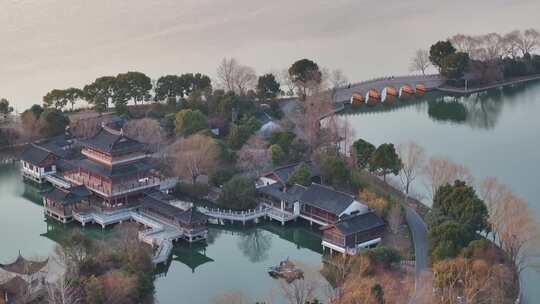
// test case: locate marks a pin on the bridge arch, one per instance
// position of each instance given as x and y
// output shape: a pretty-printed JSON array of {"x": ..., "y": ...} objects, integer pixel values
[
  {"x": 420, "y": 87},
  {"x": 406, "y": 90},
  {"x": 373, "y": 97},
  {"x": 389, "y": 94},
  {"x": 357, "y": 98}
]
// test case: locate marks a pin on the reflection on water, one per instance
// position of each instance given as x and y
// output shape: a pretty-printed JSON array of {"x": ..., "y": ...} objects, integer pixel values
[
  {"x": 493, "y": 133},
  {"x": 478, "y": 111},
  {"x": 447, "y": 111},
  {"x": 255, "y": 244},
  {"x": 234, "y": 257}
]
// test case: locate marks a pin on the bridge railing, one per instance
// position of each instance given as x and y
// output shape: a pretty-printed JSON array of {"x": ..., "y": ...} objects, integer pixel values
[
  {"x": 228, "y": 213},
  {"x": 350, "y": 85}
]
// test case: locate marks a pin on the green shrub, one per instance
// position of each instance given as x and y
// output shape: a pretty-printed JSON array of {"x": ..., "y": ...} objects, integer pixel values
[{"x": 384, "y": 255}]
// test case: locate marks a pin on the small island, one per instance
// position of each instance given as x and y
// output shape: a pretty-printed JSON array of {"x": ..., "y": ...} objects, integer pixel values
[{"x": 166, "y": 161}]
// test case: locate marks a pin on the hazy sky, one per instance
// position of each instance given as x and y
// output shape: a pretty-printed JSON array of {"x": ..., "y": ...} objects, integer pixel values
[{"x": 49, "y": 44}]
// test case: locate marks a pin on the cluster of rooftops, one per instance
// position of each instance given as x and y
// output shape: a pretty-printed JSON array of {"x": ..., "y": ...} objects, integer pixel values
[
  {"x": 20, "y": 276},
  {"x": 339, "y": 214},
  {"x": 111, "y": 170}
]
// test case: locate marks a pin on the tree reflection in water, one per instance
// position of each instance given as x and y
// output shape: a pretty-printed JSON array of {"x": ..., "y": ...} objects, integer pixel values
[
  {"x": 255, "y": 244},
  {"x": 484, "y": 109},
  {"x": 479, "y": 111},
  {"x": 449, "y": 109}
]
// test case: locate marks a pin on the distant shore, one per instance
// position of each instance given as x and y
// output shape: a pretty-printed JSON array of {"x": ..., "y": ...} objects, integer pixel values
[{"x": 476, "y": 89}]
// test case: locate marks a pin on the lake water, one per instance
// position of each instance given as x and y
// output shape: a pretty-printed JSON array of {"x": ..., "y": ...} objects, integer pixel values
[
  {"x": 234, "y": 260},
  {"x": 494, "y": 133},
  {"x": 48, "y": 44}
]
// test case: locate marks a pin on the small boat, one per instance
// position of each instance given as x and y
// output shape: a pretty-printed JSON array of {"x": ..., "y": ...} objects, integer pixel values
[{"x": 286, "y": 270}]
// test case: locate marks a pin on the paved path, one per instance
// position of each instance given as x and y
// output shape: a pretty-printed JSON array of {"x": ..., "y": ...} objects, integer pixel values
[
  {"x": 509, "y": 82},
  {"x": 430, "y": 81},
  {"x": 419, "y": 234}
]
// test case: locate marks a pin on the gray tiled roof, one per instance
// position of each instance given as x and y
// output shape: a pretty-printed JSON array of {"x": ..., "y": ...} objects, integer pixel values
[
  {"x": 359, "y": 223},
  {"x": 161, "y": 204},
  {"x": 291, "y": 195},
  {"x": 295, "y": 193},
  {"x": 23, "y": 266},
  {"x": 108, "y": 141},
  {"x": 326, "y": 198},
  {"x": 59, "y": 145},
  {"x": 34, "y": 154},
  {"x": 284, "y": 171},
  {"x": 115, "y": 170},
  {"x": 65, "y": 197},
  {"x": 192, "y": 216}
]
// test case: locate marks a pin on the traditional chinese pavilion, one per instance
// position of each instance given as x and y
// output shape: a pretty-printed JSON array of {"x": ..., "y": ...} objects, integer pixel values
[
  {"x": 114, "y": 167},
  {"x": 354, "y": 233}
]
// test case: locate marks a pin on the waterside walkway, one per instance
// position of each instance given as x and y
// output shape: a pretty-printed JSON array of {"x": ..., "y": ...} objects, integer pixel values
[
  {"x": 158, "y": 234},
  {"x": 263, "y": 211},
  {"x": 500, "y": 84}
]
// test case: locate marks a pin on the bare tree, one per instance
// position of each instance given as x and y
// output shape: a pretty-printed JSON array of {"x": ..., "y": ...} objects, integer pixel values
[
  {"x": 194, "y": 156},
  {"x": 253, "y": 156},
  {"x": 511, "y": 44},
  {"x": 225, "y": 73},
  {"x": 420, "y": 62},
  {"x": 286, "y": 82},
  {"x": 245, "y": 79},
  {"x": 465, "y": 43},
  {"x": 315, "y": 107},
  {"x": 300, "y": 291},
  {"x": 383, "y": 286},
  {"x": 87, "y": 125},
  {"x": 513, "y": 226},
  {"x": 440, "y": 171},
  {"x": 63, "y": 290},
  {"x": 491, "y": 47},
  {"x": 413, "y": 160},
  {"x": 528, "y": 41},
  {"x": 494, "y": 196},
  {"x": 145, "y": 130},
  {"x": 231, "y": 297},
  {"x": 394, "y": 218},
  {"x": 236, "y": 77},
  {"x": 473, "y": 280},
  {"x": 338, "y": 79},
  {"x": 336, "y": 270}
]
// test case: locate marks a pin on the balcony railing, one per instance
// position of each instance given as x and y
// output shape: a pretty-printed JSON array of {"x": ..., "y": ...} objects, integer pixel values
[
  {"x": 334, "y": 239},
  {"x": 317, "y": 217},
  {"x": 117, "y": 189},
  {"x": 113, "y": 160}
]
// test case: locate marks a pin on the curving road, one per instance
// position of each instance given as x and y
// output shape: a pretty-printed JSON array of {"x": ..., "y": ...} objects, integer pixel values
[{"x": 419, "y": 234}]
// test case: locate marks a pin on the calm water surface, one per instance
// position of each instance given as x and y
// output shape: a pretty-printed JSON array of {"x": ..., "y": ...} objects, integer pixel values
[
  {"x": 495, "y": 133},
  {"x": 234, "y": 260},
  {"x": 49, "y": 44}
]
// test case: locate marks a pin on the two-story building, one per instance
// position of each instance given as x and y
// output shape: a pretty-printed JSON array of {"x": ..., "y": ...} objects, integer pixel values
[
  {"x": 114, "y": 167},
  {"x": 348, "y": 225},
  {"x": 324, "y": 206},
  {"x": 60, "y": 203},
  {"x": 353, "y": 233},
  {"x": 317, "y": 203},
  {"x": 42, "y": 159},
  {"x": 37, "y": 163}
]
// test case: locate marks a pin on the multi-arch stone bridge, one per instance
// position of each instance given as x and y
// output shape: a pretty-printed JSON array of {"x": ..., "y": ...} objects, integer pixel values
[{"x": 386, "y": 89}]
